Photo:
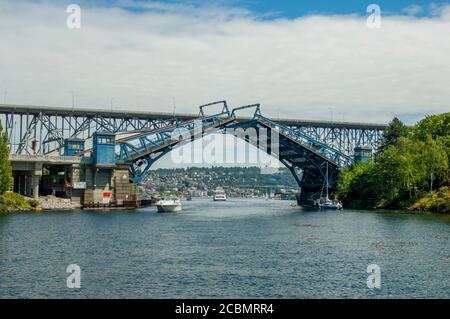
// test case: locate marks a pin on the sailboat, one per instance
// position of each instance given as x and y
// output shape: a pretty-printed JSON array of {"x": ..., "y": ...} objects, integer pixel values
[{"x": 327, "y": 203}]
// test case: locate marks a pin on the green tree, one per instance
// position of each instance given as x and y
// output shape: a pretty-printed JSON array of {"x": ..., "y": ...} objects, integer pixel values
[
  {"x": 5, "y": 166},
  {"x": 392, "y": 134},
  {"x": 360, "y": 185},
  {"x": 409, "y": 156},
  {"x": 412, "y": 162},
  {"x": 390, "y": 167},
  {"x": 433, "y": 163},
  {"x": 438, "y": 126},
  {"x": 434, "y": 125}
]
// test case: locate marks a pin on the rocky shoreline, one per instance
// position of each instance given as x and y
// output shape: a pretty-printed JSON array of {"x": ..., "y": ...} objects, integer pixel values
[{"x": 54, "y": 203}]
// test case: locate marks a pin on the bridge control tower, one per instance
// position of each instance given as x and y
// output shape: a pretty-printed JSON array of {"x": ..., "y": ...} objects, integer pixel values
[
  {"x": 104, "y": 149},
  {"x": 363, "y": 153},
  {"x": 107, "y": 181},
  {"x": 73, "y": 146}
]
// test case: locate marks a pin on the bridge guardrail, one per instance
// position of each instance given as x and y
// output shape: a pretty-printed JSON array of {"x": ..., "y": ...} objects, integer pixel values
[
  {"x": 163, "y": 137},
  {"x": 321, "y": 148},
  {"x": 257, "y": 110},
  {"x": 314, "y": 145},
  {"x": 48, "y": 158},
  {"x": 224, "y": 108}
]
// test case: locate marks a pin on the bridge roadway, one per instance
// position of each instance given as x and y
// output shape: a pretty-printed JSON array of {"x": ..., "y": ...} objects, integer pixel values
[
  {"x": 124, "y": 113},
  {"x": 17, "y": 159},
  {"x": 49, "y": 126}
]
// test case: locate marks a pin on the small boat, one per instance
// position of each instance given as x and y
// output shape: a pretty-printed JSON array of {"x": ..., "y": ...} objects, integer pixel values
[
  {"x": 172, "y": 205},
  {"x": 219, "y": 195},
  {"x": 327, "y": 203}
]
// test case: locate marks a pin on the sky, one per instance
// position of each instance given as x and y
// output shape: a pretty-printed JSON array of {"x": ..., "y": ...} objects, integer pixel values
[
  {"x": 292, "y": 9},
  {"x": 298, "y": 59}
]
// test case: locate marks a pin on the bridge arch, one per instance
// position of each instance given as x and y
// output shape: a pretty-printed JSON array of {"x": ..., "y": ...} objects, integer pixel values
[{"x": 309, "y": 160}]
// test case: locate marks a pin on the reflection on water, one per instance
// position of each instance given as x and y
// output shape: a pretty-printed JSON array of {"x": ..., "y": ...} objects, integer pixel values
[{"x": 238, "y": 248}]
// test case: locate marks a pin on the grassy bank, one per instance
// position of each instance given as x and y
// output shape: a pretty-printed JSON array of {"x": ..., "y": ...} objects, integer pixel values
[
  {"x": 438, "y": 201},
  {"x": 13, "y": 202}
]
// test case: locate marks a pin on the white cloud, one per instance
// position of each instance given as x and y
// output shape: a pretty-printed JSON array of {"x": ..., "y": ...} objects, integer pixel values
[
  {"x": 413, "y": 9},
  {"x": 303, "y": 68}
]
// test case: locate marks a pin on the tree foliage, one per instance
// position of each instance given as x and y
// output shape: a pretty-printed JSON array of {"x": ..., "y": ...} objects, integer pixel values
[
  {"x": 5, "y": 166},
  {"x": 436, "y": 126},
  {"x": 410, "y": 164},
  {"x": 393, "y": 133},
  {"x": 357, "y": 184}
]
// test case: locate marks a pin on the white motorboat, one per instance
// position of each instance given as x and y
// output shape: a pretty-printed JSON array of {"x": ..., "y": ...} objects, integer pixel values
[
  {"x": 219, "y": 195},
  {"x": 172, "y": 205}
]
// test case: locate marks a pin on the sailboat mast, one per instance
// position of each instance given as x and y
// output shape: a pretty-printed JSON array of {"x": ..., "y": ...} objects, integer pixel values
[{"x": 327, "y": 180}]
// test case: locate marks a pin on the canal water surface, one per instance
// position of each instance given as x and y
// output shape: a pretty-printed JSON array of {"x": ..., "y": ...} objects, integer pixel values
[{"x": 234, "y": 249}]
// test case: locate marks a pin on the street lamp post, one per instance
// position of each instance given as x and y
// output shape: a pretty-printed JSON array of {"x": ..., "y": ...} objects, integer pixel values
[{"x": 73, "y": 100}]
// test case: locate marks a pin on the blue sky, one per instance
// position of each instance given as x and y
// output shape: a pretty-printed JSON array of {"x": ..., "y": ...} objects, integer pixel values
[{"x": 293, "y": 9}]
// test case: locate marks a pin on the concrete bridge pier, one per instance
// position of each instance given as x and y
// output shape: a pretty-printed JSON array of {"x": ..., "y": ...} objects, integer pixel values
[
  {"x": 35, "y": 179},
  {"x": 76, "y": 178},
  {"x": 26, "y": 178}
]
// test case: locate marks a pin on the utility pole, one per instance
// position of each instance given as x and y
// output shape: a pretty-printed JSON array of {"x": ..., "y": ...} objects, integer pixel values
[
  {"x": 73, "y": 100},
  {"x": 174, "y": 109}
]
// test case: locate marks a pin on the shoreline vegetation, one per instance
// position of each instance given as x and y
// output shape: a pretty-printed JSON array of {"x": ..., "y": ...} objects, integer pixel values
[
  {"x": 410, "y": 170},
  {"x": 9, "y": 201},
  {"x": 12, "y": 202}
]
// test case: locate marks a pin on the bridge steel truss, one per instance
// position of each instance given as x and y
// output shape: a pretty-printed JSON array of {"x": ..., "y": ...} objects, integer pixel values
[
  {"x": 313, "y": 151},
  {"x": 312, "y": 163},
  {"x": 49, "y": 126},
  {"x": 344, "y": 136},
  {"x": 141, "y": 150}
]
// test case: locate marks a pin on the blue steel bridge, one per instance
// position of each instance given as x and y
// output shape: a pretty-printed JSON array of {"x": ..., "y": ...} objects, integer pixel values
[{"x": 309, "y": 149}]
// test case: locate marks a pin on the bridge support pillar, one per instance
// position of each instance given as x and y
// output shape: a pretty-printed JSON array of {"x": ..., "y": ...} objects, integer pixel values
[
  {"x": 308, "y": 196},
  {"x": 35, "y": 186}
]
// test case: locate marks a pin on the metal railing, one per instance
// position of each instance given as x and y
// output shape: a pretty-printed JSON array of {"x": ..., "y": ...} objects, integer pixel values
[
  {"x": 48, "y": 158},
  {"x": 133, "y": 147},
  {"x": 315, "y": 146}
]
